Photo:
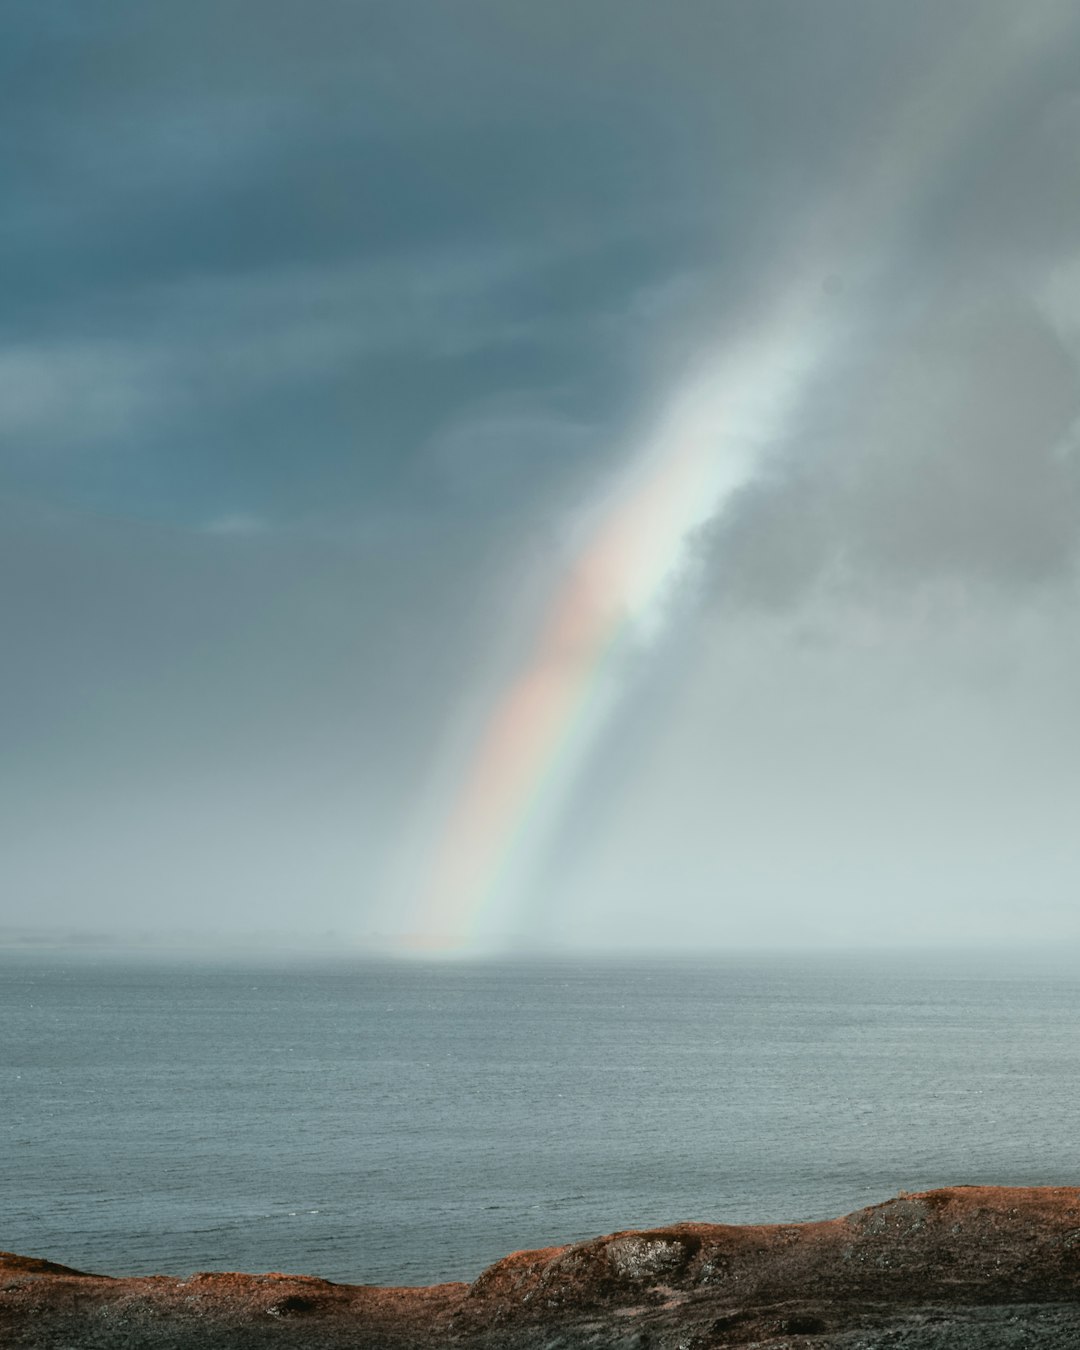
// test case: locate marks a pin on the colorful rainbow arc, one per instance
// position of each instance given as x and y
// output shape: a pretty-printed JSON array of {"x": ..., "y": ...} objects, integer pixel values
[
  {"x": 711, "y": 442},
  {"x": 552, "y": 709}
]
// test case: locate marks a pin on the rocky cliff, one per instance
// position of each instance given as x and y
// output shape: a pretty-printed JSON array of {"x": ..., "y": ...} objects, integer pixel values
[{"x": 986, "y": 1267}]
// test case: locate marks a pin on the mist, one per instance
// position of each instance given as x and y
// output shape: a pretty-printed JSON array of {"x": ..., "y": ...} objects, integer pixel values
[{"x": 327, "y": 348}]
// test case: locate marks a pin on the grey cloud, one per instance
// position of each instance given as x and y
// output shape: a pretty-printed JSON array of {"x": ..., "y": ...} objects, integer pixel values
[
  {"x": 287, "y": 235},
  {"x": 942, "y": 461},
  {"x": 319, "y": 319},
  {"x": 245, "y": 385},
  {"x": 500, "y": 454},
  {"x": 217, "y": 137},
  {"x": 69, "y": 395},
  {"x": 939, "y": 452}
]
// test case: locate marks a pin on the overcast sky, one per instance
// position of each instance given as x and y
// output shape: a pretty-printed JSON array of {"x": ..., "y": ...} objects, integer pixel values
[{"x": 328, "y": 329}]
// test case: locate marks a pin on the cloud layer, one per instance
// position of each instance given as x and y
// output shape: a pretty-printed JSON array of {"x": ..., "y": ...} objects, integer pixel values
[{"x": 324, "y": 333}]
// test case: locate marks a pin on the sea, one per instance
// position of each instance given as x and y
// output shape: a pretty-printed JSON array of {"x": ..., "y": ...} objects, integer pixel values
[{"x": 408, "y": 1123}]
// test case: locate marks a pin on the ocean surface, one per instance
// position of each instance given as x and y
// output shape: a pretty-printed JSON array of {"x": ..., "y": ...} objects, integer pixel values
[{"x": 410, "y": 1123}]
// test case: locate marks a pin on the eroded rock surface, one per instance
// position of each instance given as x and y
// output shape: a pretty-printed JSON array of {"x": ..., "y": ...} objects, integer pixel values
[{"x": 986, "y": 1267}]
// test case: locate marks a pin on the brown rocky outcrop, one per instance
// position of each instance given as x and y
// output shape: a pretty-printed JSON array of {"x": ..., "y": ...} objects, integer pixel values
[{"x": 984, "y": 1267}]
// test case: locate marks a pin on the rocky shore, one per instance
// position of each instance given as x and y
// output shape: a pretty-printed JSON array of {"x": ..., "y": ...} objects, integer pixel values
[{"x": 983, "y": 1268}]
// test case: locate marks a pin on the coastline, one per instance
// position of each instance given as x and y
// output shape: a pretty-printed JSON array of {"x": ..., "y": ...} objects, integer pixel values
[{"x": 959, "y": 1267}]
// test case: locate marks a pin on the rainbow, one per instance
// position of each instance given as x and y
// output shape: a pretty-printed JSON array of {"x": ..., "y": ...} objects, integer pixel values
[
  {"x": 712, "y": 439},
  {"x": 613, "y": 592}
]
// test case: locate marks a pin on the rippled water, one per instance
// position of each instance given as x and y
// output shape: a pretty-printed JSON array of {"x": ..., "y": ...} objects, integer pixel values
[{"x": 409, "y": 1124}]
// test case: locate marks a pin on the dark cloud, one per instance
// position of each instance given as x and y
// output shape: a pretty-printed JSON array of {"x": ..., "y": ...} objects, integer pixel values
[
  {"x": 947, "y": 459},
  {"x": 190, "y": 195},
  {"x": 320, "y": 321}
]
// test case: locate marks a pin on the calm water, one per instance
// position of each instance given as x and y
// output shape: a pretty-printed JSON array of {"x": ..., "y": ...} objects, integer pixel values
[{"x": 408, "y": 1124}]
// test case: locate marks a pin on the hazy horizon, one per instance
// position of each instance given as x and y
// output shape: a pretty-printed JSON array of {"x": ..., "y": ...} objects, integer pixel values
[
  {"x": 563, "y": 478},
  {"x": 281, "y": 948}
]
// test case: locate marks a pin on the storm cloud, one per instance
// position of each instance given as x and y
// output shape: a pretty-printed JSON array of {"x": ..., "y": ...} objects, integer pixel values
[{"x": 327, "y": 326}]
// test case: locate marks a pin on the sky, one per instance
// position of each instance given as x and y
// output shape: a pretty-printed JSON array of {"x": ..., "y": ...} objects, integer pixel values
[{"x": 502, "y": 477}]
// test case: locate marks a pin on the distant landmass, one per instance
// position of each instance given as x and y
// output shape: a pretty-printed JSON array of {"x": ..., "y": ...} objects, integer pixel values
[{"x": 964, "y": 1268}]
